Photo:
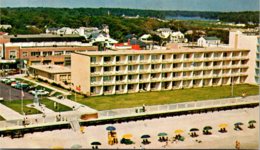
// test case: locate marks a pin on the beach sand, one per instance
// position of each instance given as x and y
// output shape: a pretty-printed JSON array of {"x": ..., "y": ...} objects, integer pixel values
[{"x": 248, "y": 138}]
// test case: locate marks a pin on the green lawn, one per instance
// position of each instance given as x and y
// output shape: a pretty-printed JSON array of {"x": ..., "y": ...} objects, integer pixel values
[
  {"x": 164, "y": 97},
  {"x": 16, "y": 105},
  {"x": 50, "y": 104}
]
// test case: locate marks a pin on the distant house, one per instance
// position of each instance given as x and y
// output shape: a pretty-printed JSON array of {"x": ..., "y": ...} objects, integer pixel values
[
  {"x": 178, "y": 37},
  {"x": 51, "y": 30},
  {"x": 5, "y": 26},
  {"x": 164, "y": 32},
  {"x": 208, "y": 41}
]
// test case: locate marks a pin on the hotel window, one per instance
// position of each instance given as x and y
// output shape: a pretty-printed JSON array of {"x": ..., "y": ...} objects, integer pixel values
[
  {"x": 25, "y": 54},
  {"x": 153, "y": 75},
  {"x": 107, "y": 88},
  {"x": 164, "y": 75},
  {"x": 184, "y": 65},
  {"x": 49, "y": 53},
  {"x": 130, "y": 58},
  {"x": 107, "y": 69},
  {"x": 206, "y": 55},
  {"x": 58, "y": 53},
  {"x": 187, "y": 55},
  {"x": 225, "y": 54},
  {"x": 174, "y": 56},
  {"x": 153, "y": 66},
  {"x": 93, "y": 69},
  {"x": 174, "y": 65},
  {"x": 130, "y": 86},
  {"x": 163, "y": 57},
  {"x": 184, "y": 74},
  {"x": 93, "y": 59},
  {"x": 154, "y": 57},
  {"x": 68, "y": 52},
  {"x": 93, "y": 79},
  {"x": 117, "y": 58},
  {"x": 243, "y": 62},
  {"x": 119, "y": 78},
  {"x": 141, "y": 67},
  {"x": 206, "y": 63},
  {"x": 106, "y": 78},
  {"x": 130, "y": 77},
  {"x": 141, "y": 57},
  {"x": 107, "y": 59},
  {"x": 93, "y": 89},
  {"x": 35, "y": 53},
  {"x": 130, "y": 68},
  {"x": 174, "y": 74},
  {"x": 215, "y": 63},
  {"x": 163, "y": 66},
  {"x": 117, "y": 68},
  {"x": 12, "y": 54},
  {"x": 140, "y": 76}
]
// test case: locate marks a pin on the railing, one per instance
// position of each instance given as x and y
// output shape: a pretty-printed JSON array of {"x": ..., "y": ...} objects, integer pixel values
[{"x": 178, "y": 107}]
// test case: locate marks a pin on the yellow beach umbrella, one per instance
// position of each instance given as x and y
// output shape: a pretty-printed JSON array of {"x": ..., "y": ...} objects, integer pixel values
[
  {"x": 223, "y": 125},
  {"x": 178, "y": 131},
  {"x": 127, "y": 136}
]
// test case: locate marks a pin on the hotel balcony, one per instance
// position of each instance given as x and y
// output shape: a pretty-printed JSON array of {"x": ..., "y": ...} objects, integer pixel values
[
  {"x": 132, "y": 81},
  {"x": 155, "y": 70},
  {"x": 96, "y": 73},
  {"x": 132, "y": 71},
  {"x": 96, "y": 83},
  {"x": 121, "y": 82},
  {"x": 108, "y": 63},
  {"x": 177, "y": 60},
  {"x": 166, "y": 60},
  {"x": 144, "y": 80},
  {"x": 108, "y": 82},
  {"x": 95, "y": 63},
  {"x": 120, "y": 72},
  {"x": 121, "y": 62},
  {"x": 155, "y": 61},
  {"x": 155, "y": 79},
  {"x": 166, "y": 79},
  {"x": 110, "y": 92},
  {"x": 109, "y": 73}
]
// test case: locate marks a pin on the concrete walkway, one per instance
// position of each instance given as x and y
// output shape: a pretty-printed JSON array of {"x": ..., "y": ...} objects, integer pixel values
[
  {"x": 45, "y": 85},
  {"x": 74, "y": 105},
  {"x": 9, "y": 114}
]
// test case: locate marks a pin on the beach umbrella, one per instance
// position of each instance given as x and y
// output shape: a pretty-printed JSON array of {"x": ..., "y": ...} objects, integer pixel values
[
  {"x": 76, "y": 146},
  {"x": 207, "y": 128},
  {"x": 162, "y": 134},
  {"x": 238, "y": 123},
  {"x": 127, "y": 136},
  {"x": 194, "y": 129},
  {"x": 179, "y": 131},
  {"x": 146, "y": 136},
  {"x": 111, "y": 128},
  {"x": 252, "y": 121},
  {"x": 223, "y": 125},
  {"x": 96, "y": 143}
]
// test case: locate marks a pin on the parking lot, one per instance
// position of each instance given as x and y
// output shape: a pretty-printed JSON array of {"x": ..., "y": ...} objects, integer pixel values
[{"x": 9, "y": 93}]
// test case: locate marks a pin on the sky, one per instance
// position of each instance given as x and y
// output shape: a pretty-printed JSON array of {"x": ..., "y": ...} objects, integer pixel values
[{"x": 191, "y": 5}]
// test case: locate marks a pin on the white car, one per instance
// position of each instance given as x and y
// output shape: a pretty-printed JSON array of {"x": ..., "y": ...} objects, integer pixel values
[{"x": 39, "y": 92}]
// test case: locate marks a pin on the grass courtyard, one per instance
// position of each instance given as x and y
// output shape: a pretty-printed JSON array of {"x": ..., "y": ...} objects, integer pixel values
[
  {"x": 164, "y": 97},
  {"x": 16, "y": 105}
]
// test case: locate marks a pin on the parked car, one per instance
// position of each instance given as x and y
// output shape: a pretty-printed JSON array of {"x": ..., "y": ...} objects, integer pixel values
[
  {"x": 13, "y": 84},
  {"x": 39, "y": 92},
  {"x": 21, "y": 85}
]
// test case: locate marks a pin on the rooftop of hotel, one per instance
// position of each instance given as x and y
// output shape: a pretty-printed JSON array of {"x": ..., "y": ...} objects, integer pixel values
[
  {"x": 52, "y": 68},
  {"x": 180, "y": 50}
]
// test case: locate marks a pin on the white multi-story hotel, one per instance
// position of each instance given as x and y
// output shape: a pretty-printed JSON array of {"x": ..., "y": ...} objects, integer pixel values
[
  {"x": 251, "y": 41},
  {"x": 118, "y": 72}
]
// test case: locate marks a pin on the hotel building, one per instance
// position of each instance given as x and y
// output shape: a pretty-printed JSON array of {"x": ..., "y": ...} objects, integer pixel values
[
  {"x": 251, "y": 41},
  {"x": 118, "y": 72},
  {"x": 43, "y": 49}
]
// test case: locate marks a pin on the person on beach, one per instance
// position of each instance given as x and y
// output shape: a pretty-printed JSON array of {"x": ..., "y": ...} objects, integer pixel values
[{"x": 237, "y": 145}]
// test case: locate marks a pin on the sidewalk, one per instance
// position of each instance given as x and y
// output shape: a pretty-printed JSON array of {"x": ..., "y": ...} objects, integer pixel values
[
  {"x": 9, "y": 114},
  {"x": 45, "y": 85},
  {"x": 41, "y": 108}
]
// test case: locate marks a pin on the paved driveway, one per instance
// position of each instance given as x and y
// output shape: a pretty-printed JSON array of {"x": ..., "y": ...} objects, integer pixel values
[{"x": 9, "y": 93}]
